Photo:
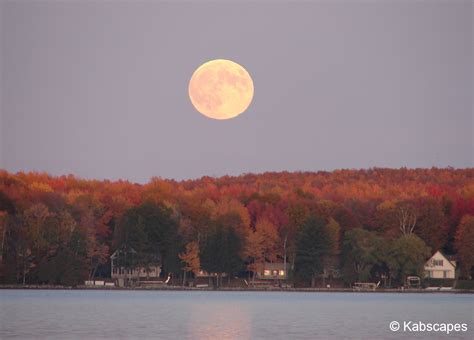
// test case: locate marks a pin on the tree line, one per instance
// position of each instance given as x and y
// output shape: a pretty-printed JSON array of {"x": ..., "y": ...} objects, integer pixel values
[{"x": 355, "y": 225}]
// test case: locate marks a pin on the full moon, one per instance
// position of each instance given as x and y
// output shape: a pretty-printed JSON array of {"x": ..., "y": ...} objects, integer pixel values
[{"x": 221, "y": 89}]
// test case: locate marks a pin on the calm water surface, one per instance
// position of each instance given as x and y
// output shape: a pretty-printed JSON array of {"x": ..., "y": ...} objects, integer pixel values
[{"x": 56, "y": 314}]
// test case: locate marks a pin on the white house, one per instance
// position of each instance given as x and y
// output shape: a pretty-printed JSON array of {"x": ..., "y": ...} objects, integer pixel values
[
  {"x": 440, "y": 267},
  {"x": 130, "y": 271}
]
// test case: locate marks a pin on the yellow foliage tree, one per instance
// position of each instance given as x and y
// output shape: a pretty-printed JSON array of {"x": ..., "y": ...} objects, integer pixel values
[
  {"x": 262, "y": 244},
  {"x": 191, "y": 260}
]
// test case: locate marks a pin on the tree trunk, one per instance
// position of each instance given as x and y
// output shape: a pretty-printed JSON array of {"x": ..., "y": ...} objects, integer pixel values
[
  {"x": 184, "y": 277},
  {"x": 24, "y": 272},
  {"x": 313, "y": 281},
  {"x": 4, "y": 229},
  {"x": 17, "y": 270},
  {"x": 92, "y": 276},
  {"x": 284, "y": 255}
]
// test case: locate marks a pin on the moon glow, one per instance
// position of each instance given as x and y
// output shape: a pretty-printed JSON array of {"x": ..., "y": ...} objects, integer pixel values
[{"x": 221, "y": 89}]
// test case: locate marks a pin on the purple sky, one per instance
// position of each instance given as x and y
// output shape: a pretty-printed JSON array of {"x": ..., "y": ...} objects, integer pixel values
[{"x": 99, "y": 89}]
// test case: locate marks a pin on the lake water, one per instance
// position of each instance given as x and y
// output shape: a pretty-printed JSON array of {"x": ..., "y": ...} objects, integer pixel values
[{"x": 61, "y": 314}]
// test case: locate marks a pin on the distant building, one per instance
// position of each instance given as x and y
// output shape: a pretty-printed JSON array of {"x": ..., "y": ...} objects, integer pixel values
[
  {"x": 123, "y": 268},
  {"x": 440, "y": 266},
  {"x": 271, "y": 271},
  {"x": 203, "y": 273}
]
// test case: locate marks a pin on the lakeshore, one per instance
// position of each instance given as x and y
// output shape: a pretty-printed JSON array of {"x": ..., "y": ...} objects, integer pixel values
[
  {"x": 237, "y": 289},
  {"x": 294, "y": 237}
]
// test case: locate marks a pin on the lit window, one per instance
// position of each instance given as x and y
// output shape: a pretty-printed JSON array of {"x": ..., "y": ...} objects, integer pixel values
[
  {"x": 266, "y": 272},
  {"x": 282, "y": 273},
  {"x": 438, "y": 263}
]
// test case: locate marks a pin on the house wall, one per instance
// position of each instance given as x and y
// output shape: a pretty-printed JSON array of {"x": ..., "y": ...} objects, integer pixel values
[
  {"x": 271, "y": 272},
  {"x": 271, "y": 276},
  {"x": 435, "y": 270},
  {"x": 136, "y": 273}
]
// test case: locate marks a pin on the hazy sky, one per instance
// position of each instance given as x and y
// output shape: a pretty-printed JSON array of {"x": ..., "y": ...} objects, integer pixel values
[{"x": 99, "y": 89}]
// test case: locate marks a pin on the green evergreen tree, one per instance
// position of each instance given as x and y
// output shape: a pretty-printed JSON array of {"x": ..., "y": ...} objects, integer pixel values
[
  {"x": 152, "y": 232},
  {"x": 222, "y": 250},
  {"x": 314, "y": 245}
]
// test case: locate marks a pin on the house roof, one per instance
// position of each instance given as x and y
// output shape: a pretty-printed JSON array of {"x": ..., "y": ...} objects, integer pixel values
[
  {"x": 271, "y": 266},
  {"x": 119, "y": 250},
  {"x": 446, "y": 257}
]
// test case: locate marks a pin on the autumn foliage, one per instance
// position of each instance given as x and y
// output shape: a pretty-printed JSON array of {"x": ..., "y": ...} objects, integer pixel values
[{"x": 62, "y": 230}]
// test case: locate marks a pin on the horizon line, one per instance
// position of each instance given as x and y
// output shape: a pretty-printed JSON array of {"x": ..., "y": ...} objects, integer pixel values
[{"x": 216, "y": 177}]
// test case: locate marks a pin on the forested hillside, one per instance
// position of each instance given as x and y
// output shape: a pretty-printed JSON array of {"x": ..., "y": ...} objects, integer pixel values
[{"x": 363, "y": 224}]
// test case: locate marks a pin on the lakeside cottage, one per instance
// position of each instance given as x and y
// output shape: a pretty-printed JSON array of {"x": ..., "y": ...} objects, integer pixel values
[
  {"x": 440, "y": 266},
  {"x": 123, "y": 269}
]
